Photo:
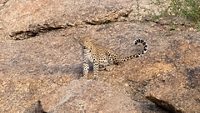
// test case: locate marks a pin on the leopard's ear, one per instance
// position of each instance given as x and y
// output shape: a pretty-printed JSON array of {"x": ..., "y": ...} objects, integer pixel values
[{"x": 85, "y": 38}]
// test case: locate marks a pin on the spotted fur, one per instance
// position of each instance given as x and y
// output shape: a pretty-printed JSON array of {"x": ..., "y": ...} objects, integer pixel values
[{"x": 101, "y": 57}]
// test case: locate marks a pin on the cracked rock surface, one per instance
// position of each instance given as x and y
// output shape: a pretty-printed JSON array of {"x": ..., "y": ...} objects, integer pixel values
[{"x": 40, "y": 61}]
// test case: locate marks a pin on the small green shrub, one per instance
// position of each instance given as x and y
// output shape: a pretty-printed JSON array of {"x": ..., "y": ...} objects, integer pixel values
[{"x": 190, "y": 9}]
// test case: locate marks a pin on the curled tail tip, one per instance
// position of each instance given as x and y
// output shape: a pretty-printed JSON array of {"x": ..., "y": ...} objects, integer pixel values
[{"x": 141, "y": 41}]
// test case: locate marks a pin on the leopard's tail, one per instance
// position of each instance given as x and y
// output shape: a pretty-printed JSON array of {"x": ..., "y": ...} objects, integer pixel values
[{"x": 139, "y": 53}]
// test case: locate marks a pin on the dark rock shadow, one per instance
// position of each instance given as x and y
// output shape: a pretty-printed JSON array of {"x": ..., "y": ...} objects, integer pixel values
[
  {"x": 75, "y": 70},
  {"x": 35, "y": 108},
  {"x": 164, "y": 105},
  {"x": 193, "y": 76}
]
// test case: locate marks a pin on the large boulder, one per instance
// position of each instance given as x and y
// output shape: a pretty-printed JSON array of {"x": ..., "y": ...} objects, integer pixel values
[
  {"x": 40, "y": 61},
  {"x": 179, "y": 90}
]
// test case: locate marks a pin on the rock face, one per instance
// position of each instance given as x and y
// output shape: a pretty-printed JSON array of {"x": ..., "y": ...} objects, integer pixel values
[
  {"x": 179, "y": 89},
  {"x": 90, "y": 96},
  {"x": 40, "y": 62}
]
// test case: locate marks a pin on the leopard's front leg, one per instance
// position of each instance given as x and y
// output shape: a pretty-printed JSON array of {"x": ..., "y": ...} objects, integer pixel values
[
  {"x": 95, "y": 67},
  {"x": 85, "y": 65}
]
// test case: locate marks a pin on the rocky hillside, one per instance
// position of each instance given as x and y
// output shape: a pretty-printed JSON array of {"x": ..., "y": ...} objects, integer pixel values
[{"x": 40, "y": 62}]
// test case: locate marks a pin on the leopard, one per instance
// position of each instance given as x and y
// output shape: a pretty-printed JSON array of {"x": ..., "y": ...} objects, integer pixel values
[{"x": 101, "y": 57}]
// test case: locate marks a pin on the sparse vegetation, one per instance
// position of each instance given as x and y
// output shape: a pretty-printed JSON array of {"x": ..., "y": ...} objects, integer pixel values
[
  {"x": 187, "y": 8},
  {"x": 190, "y": 9}
]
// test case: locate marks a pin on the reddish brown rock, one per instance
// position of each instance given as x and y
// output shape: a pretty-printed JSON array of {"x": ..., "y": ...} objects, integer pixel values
[
  {"x": 89, "y": 96},
  {"x": 47, "y": 65},
  {"x": 178, "y": 91}
]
